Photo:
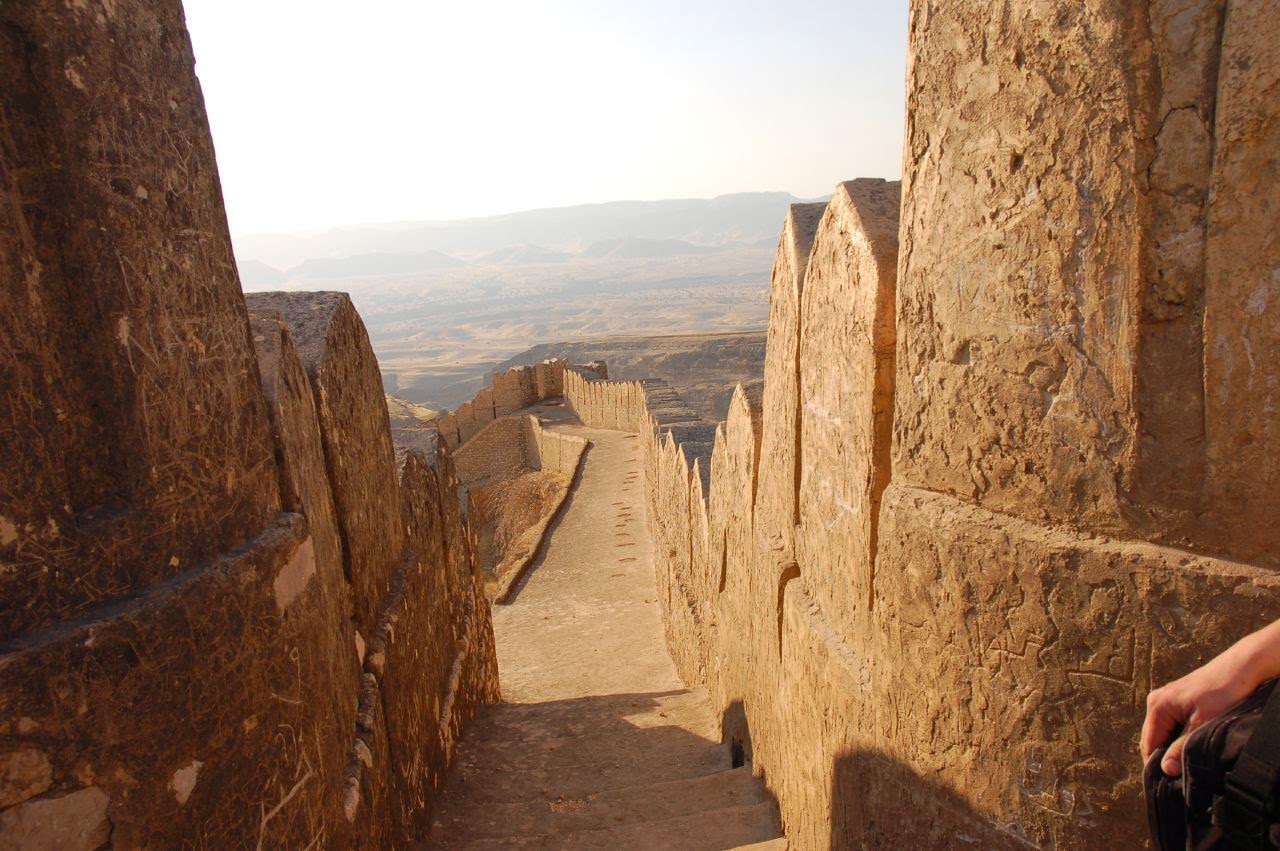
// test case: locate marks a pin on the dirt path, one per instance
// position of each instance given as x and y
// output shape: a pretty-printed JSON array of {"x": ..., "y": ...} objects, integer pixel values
[
  {"x": 586, "y": 621},
  {"x": 599, "y": 744}
]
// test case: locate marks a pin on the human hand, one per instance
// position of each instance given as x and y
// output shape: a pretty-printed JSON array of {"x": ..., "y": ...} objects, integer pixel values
[{"x": 1207, "y": 692}]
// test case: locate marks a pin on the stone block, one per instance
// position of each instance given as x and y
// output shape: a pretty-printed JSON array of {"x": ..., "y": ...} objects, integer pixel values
[
  {"x": 1086, "y": 333},
  {"x": 779, "y": 479},
  {"x": 846, "y": 381},
  {"x": 1242, "y": 297},
  {"x": 1012, "y": 660},
  {"x": 196, "y": 707},
  {"x": 76, "y": 821},
  {"x": 333, "y": 347},
  {"x": 24, "y": 772}
]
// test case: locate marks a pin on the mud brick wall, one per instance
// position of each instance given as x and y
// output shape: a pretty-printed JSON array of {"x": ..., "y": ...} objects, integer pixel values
[
  {"x": 1009, "y": 470},
  {"x": 227, "y": 619}
]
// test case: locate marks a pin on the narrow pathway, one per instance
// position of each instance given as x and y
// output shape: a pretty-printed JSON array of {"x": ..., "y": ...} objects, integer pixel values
[{"x": 598, "y": 744}]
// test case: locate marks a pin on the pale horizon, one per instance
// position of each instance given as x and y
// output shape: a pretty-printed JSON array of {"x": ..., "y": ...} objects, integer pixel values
[{"x": 408, "y": 112}]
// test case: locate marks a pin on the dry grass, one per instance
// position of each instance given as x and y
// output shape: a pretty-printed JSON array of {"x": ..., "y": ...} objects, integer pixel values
[{"x": 510, "y": 515}]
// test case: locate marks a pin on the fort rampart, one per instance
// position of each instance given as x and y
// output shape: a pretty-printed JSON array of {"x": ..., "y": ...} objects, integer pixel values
[
  {"x": 226, "y": 606},
  {"x": 1008, "y": 470}
]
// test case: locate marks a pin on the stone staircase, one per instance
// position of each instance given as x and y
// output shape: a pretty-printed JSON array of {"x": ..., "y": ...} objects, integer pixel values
[{"x": 637, "y": 771}]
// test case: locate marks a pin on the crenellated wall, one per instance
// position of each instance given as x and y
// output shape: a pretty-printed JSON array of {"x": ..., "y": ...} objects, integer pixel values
[
  {"x": 1009, "y": 469},
  {"x": 506, "y": 393},
  {"x": 228, "y": 618}
]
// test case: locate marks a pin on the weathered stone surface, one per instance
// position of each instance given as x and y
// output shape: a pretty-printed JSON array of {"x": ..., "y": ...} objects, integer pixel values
[
  {"x": 1066, "y": 313},
  {"x": 507, "y": 392},
  {"x": 1083, "y": 408},
  {"x": 846, "y": 380},
  {"x": 725, "y": 590},
  {"x": 334, "y": 348},
  {"x": 779, "y": 476},
  {"x": 679, "y": 587},
  {"x": 178, "y": 663},
  {"x": 1039, "y": 645},
  {"x": 425, "y": 643},
  {"x": 23, "y": 773},
  {"x": 500, "y": 449},
  {"x": 1242, "y": 295},
  {"x": 131, "y": 413},
  {"x": 304, "y": 477},
  {"x": 206, "y": 668},
  {"x": 554, "y": 451},
  {"x": 73, "y": 822}
]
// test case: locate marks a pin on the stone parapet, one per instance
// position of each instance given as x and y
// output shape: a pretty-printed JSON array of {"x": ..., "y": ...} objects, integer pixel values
[
  {"x": 965, "y": 529},
  {"x": 507, "y": 393},
  {"x": 227, "y": 619}
]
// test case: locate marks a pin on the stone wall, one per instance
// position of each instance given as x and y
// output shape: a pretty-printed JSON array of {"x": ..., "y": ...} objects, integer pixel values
[
  {"x": 507, "y": 392},
  {"x": 227, "y": 618},
  {"x": 489, "y": 462},
  {"x": 510, "y": 445},
  {"x": 500, "y": 449},
  {"x": 1010, "y": 467},
  {"x": 550, "y": 450}
]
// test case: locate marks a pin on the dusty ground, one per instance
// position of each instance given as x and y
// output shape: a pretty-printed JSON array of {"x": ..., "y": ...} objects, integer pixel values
[
  {"x": 586, "y": 621},
  {"x": 404, "y": 413},
  {"x": 598, "y": 745}
]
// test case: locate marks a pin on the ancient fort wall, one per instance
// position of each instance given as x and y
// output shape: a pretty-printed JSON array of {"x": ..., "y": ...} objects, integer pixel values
[
  {"x": 506, "y": 393},
  {"x": 994, "y": 491},
  {"x": 501, "y": 448},
  {"x": 225, "y": 609}
]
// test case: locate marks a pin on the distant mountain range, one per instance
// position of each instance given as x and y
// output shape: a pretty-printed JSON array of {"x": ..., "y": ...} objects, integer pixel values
[
  {"x": 254, "y": 274},
  {"x": 444, "y": 302},
  {"x": 619, "y": 228}
]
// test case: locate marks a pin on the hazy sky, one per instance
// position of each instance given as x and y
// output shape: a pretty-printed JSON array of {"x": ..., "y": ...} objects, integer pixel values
[{"x": 328, "y": 113}]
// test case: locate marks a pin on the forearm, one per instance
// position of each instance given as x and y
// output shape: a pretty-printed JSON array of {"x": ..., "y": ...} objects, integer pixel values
[{"x": 1257, "y": 655}]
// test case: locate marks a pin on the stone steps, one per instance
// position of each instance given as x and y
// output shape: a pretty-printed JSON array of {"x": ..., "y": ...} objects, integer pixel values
[
  {"x": 604, "y": 748},
  {"x": 642, "y": 771},
  {"x": 685, "y": 708},
  {"x": 715, "y": 830},
  {"x": 606, "y": 810}
]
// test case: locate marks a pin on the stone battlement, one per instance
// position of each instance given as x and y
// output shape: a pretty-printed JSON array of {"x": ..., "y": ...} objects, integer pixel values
[
  {"x": 506, "y": 393},
  {"x": 225, "y": 604},
  {"x": 1002, "y": 482}
]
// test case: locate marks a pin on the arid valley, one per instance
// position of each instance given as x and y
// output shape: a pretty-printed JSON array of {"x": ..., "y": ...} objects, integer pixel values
[{"x": 448, "y": 303}]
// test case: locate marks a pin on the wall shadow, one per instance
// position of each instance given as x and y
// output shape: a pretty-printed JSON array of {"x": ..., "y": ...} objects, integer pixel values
[
  {"x": 880, "y": 802},
  {"x": 574, "y": 754},
  {"x": 735, "y": 734}
]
